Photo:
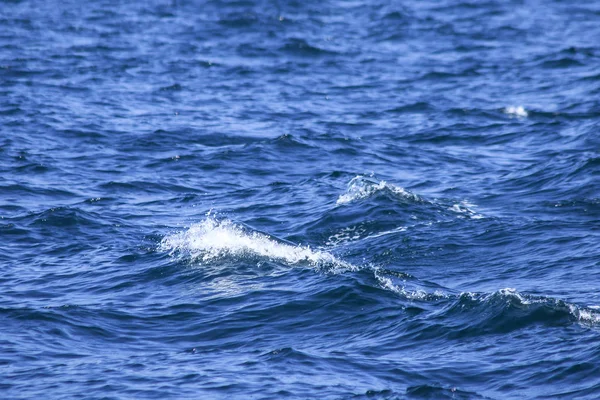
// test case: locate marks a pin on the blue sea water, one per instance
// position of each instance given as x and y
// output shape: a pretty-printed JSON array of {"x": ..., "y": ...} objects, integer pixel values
[{"x": 300, "y": 199}]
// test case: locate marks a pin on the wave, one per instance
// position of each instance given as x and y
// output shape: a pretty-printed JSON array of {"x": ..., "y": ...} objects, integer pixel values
[
  {"x": 300, "y": 47},
  {"x": 514, "y": 309},
  {"x": 505, "y": 309},
  {"x": 213, "y": 240},
  {"x": 407, "y": 286},
  {"x": 217, "y": 241},
  {"x": 466, "y": 208},
  {"x": 361, "y": 187}
]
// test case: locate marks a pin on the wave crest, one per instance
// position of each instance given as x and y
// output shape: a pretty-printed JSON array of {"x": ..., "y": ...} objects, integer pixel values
[
  {"x": 361, "y": 187},
  {"x": 532, "y": 308},
  {"x": 212, "y": 240}
]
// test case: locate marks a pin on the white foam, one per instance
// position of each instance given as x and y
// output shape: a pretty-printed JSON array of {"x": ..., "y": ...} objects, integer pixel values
[
  {"x": 466, "y": 208},
  {"x": 511, "y": 292},
  {"x": 212, "y": 240},
  {"x": 345, "y": 235},
  {"x": 361, "y": 187},
  {"x": 589, "y": 315},
  {"x": 518, "y": 111},
  {"x": 355, "y": 233},
  {"x": 388, "y": 232}
]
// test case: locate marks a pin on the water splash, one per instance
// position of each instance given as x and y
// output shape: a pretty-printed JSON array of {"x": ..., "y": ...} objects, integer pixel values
[{"x": 212, "y": 240}]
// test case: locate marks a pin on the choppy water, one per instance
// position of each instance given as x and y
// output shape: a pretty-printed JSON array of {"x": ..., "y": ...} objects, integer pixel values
[{"x": 300, "y": 199}]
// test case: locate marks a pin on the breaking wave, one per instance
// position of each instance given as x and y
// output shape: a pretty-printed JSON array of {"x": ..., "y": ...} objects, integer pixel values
[{"x": 212, "y": 240}]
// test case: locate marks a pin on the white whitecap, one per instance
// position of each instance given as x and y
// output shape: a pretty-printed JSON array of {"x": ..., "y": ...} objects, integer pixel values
[
  {"x": 212, "y": 240},
  {"x": 585, "y": 315},
  {"x": 517, "y": 111}
]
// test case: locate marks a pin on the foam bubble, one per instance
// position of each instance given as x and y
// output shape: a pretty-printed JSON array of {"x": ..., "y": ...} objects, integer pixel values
[
  {"x": 518, "y": 111},
  {"x": 212, "y": 240}
]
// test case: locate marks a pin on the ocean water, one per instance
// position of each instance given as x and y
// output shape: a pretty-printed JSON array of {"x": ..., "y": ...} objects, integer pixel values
[{"x": 300, "y": 199}]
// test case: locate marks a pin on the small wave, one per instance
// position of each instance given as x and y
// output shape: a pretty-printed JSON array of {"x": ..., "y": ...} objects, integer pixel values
[
  {"x": 518, "y": 111},
  {"x": 586, "y": 315},
  {"x": 548, "y": 308},
  {"x": 503, "y": 309},
  {"x": 406, "y": 287},
  {"x": 212, "y": 240},
  {"x": 361, "y": 187}
]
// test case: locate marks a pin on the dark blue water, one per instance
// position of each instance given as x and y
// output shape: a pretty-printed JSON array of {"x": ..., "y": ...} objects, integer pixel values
[{"x": 300, "y": 199}]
